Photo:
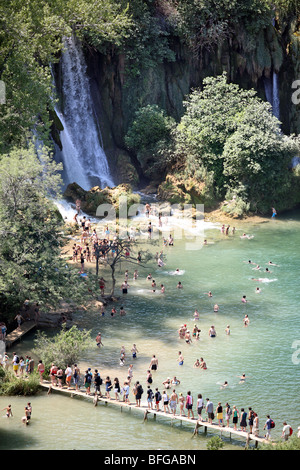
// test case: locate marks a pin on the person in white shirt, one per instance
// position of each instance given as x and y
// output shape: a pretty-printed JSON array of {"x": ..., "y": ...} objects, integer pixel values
[{"x": 286, "y": 431}]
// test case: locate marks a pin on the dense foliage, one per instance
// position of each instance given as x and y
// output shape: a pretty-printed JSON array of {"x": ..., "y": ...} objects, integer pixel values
[
  {"x": 232, "y": 136},
  {"x": 66, "y": 347},
  {"x": 31, "y": 39},
  {"x": 31, "y": 266},
  {"x": 11, "y": 385},
  {"x": 149, "y": 137}
]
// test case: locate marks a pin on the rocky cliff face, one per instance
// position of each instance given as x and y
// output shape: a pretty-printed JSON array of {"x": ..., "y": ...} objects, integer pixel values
[{"x": 248, "y": 60}]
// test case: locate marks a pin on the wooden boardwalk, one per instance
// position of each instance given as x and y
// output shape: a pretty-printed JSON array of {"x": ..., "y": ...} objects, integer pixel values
[
  {"x": 17, "y": 334},
  {"x": 144, "y": 409}
]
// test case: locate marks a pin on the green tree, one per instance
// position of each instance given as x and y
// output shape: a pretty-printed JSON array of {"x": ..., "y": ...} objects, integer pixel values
[
  {"x": 231, "y": 134},
  {"x": 149, "y": 137},
  {"x": 257, "y": 157},
  {"x": 211, "y": 116},
  {"x": 31, "y": 40},
  {"x": 64, "y": 348},
  {"x": 31, "y": 266}
]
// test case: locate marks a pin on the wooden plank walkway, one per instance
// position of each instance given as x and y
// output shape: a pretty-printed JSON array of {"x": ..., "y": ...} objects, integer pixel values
[
  {"x": 144, "y": 409},
  {"x": 17, "y": 334}
]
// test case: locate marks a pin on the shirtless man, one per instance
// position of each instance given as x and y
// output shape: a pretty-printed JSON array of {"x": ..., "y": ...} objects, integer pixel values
[
  {"x": 98, "y": 340},
  {"x": 180, "y": 358},
  {"x": 153, "y": 363},
  {"x": 187, "y": 337},
  {"x": 167, "y": 383},
  {"x": 173, "y": 402}
]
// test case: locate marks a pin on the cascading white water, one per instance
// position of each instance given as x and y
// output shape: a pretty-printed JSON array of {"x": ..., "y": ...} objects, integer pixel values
[
  {"x": 272, "y": 93},
  {"x": 82, "y": 155},
  {"x": 276, "y": 103}
]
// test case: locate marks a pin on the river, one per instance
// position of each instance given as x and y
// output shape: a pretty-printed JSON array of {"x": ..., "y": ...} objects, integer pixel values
[{"x": 266, "y": 351}]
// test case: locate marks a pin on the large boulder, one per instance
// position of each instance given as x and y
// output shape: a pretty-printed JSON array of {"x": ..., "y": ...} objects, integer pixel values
[{"x": 92, "y": 199}]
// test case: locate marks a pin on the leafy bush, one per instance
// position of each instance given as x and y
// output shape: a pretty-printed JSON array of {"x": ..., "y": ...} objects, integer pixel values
[
  {"x": 215, "y": 443},
  {"x": 64, "y": 348},
  {"x": 149, "y": 137},
  {"x": 233, "y": 135},
  {"x": 12, "y": 385}
]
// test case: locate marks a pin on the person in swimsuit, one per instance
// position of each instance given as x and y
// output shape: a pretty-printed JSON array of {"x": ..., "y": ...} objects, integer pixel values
[
  {"x": 212, "y": 332},
  {"x": 154, "y": 363},
  {"x": 189, "y": 404},
  {"x": 202, "y": 363},
  {"x": 8, "y": 411},
  {"x": 41, "y": 369},
  {"x": 173, "y": 402},
  {"x": 134, "y": 351},
  {"x": 197, "y": 364},
  {"x": 180, "y": 358},
  {"x": 165, "y": 399}
]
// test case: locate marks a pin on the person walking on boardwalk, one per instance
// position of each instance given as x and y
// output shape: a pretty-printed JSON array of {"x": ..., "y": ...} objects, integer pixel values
[
  {"x": 219, "y": 413},
  {"x": 165, "y": 398},
  {"x": 68, "y": 374},
  {"x": 76, "y": 376},
  {"x": 157, "y": 396},
  {"x": 150, "y": 397},
  {"x": 228, "y": 413},
  {"x": 255, "y": 429},
  {"x": 53, "y": 372},
  {"x": 16, "y": 362},
  {"x": 173, "y": 402},
  {"x": 87, "y": 382},
  {"x": 97, "y": 383},
  {"x": 41, "y": 370},
  {"x": 189, "y": 404},
  {"x": 268, "y": 427},
  {"x": 139, "y": 393},
  {"x": 200, "y": 406},
  {"x": 235, "y": 417},
  {"x": 286, "y": 431},
  {"x": 243, "y": 422},
  {"x": 209, "y": 410}
]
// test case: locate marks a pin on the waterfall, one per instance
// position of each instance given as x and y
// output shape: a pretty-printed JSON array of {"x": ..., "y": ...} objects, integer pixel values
[
  {"x": 276, "y": 103},
  {"x": 82, "y": 154},
  {"x": 272, "y": 93}
]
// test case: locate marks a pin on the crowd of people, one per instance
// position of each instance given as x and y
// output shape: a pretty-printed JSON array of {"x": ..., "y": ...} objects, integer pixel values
[{"x": 165, "y": 398}]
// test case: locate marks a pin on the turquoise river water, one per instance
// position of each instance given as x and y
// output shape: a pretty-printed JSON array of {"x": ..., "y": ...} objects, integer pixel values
[{"x": 267, "y": 351}]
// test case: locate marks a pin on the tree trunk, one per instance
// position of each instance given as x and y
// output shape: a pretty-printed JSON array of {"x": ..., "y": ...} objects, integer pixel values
[{"x": 113, "y": 280}]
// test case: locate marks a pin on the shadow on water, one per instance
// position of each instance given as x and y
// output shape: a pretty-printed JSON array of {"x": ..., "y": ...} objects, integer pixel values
[{"x": 15, "y": 440}]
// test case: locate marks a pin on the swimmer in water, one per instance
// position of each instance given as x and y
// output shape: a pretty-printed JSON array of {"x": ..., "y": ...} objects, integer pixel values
[
  {"x": 257, "y": 290},
  {"x": 179, "y": 285},
  {"x": 202, "y": 363},
  {"x": 257, "y": 268},
  {"x": 212, "y": 332},
  {"x": 225, "y": 384},
  {"x": 244, "y": 300},
  {"x": 242, "y": 378},
  {"x": 272, "y": 264},
  {"x": 196, "y": 315},
  {"x": 162, "y": 288},
  {"x": 197, "y": 364},
  {"x": 209, "y": 294},
  {"x": 227, "y": 330},
  {"x": 216, "y": 308},
  {"x": 246, "y": 320},
  {"x": 250, "y": 262}
]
